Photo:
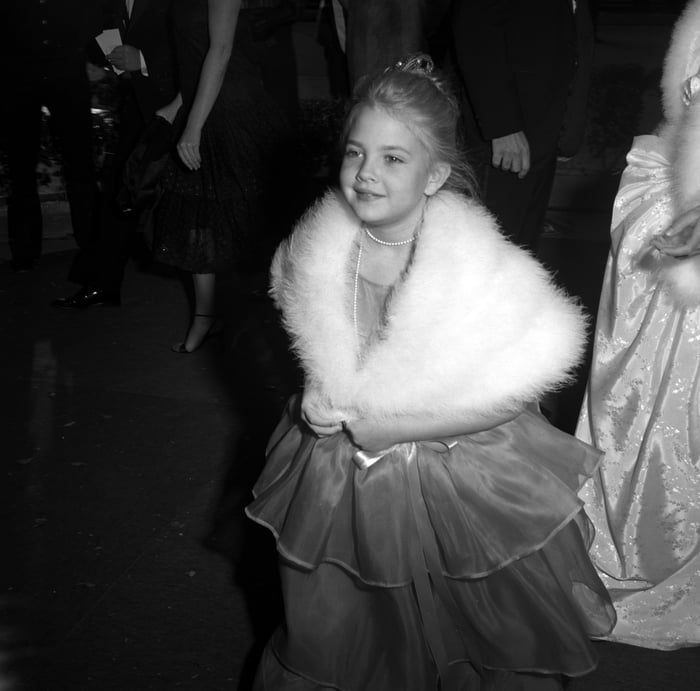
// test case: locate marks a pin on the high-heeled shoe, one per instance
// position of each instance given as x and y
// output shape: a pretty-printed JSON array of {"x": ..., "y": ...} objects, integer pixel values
[{"x": 215, "y": 329}]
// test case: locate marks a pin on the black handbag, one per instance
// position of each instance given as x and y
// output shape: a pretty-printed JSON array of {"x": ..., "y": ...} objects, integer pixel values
[{"x": 143, "y": 172}]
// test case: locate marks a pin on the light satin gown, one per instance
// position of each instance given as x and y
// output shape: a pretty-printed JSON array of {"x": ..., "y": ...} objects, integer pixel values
[{"x": 641, "y": 409}]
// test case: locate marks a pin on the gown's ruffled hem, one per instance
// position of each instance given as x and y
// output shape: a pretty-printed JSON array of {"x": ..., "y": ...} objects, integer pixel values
[
  {"x": 534, "y": 618},
  {"x": 491, "y": 499},
  {"x": 274, "y": 673},
  {"x": 429, "y": 564},
  {"x": 580, "y": 518}
]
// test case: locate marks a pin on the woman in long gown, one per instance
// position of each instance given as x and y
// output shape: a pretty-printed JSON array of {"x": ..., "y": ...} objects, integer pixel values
[
  {"x": 642, "y": 407},
  {"x": 216, "y": 187}
]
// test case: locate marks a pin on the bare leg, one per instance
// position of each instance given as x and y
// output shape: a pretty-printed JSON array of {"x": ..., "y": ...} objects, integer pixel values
[{"x": 204, "y": 318}]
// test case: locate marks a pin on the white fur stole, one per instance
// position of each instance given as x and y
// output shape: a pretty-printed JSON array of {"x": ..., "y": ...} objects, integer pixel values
[
  {"x": 683, "y": 121},
  {"x": 476, "y": 325},
  {"x": 682, "y": 131}
]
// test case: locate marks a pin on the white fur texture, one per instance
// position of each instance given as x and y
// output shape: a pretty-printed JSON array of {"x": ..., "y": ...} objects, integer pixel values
[
  {"x": 682, "y": 280},
  {"x": 682, "y": 132},
  {"x": 683, "y": 122},
  {"x": 477, "y": 323},
  {"x": 682, "y": 60}
]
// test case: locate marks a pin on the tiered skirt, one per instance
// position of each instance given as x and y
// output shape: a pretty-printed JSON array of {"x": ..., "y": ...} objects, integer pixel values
[{"x": 451, "y": 561}]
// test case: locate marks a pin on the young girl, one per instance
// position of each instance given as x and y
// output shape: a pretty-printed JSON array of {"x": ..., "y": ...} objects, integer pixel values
[{"x": 425, "y": 513}]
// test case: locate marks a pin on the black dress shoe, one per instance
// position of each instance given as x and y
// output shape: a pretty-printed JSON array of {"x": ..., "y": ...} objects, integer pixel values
[
  {"x": 87, "y": 297},
  {"x": 21, "y": 265}
]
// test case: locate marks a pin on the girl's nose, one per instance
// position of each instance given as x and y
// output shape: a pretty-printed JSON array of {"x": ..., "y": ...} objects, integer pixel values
[{"x": 366, "y": 172}]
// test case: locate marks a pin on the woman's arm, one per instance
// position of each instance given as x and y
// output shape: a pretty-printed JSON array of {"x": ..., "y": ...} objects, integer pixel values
[{"x": 223, "y": 17}]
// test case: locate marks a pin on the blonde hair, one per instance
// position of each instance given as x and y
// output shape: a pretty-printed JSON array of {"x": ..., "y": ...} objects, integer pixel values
[{"x": 413, "y": 92}]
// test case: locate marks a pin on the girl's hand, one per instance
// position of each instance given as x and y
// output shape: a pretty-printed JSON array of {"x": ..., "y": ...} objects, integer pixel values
[
  {"x": 188, "y": 148},
  {"x": 682, "y": 238},
  {"x": 322, "y": 420},
  {"x": 368, "y": 435}
]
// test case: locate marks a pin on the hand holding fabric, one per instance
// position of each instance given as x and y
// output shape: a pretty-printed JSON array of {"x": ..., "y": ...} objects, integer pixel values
[
  {"x": 682, "y": 238},
  {"x": 368, "y": 435},
  {"x": 322, "y": 419}
]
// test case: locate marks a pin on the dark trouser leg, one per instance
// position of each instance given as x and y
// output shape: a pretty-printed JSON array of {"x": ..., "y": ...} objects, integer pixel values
[
  {"x": 101, "y": 263},
  {"x": 68, "y": 100},
  {"x": 520, "y": 204},
  {"x": 277, "y": 62},
  {"x": 21, "y": 123},
  {"x": 380, "y": 32}
]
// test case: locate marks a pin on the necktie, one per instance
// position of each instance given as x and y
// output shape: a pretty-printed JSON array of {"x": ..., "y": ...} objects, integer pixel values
[{"x": 126, "y": 14}]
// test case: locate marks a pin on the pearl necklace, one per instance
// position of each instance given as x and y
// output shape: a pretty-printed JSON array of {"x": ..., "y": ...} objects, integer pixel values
[
  {"x": 389, "y": 244},
  {"x": 354, "y": 296}
]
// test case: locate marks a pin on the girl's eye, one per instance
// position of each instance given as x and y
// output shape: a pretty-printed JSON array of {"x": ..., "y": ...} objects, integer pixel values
[
  {"x": 352, "y": 153},
  {"x": 393, "y": 159}
]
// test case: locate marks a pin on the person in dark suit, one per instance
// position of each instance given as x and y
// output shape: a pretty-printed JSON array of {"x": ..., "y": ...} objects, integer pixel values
[
  {"x": 382, "y": 32},
  {"x": 145, "y": 62},
  {"x": 518, "y": 61},
  {"x": 43, "y": 63}
]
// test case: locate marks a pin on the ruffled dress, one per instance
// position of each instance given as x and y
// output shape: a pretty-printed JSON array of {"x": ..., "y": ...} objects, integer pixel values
[
  {"x": 206, "y": 219},
  {"x": 450, "y": 565}
]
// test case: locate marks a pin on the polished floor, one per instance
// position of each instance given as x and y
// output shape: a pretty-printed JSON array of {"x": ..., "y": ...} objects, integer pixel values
[{"x": 120, "y": 459}]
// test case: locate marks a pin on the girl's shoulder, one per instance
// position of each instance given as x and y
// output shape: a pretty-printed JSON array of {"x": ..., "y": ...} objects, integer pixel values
[
  {"x": 462, "y": 217},
  {"x": 468, "y": 232},
  {"x": 328, "y": 213}
]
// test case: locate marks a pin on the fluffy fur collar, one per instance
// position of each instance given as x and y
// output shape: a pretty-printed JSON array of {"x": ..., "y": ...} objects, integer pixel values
[
  {"x": 477, "y": 323},
  {"x": 682, "y": 127},
  {"x": 681, "y": 133}
]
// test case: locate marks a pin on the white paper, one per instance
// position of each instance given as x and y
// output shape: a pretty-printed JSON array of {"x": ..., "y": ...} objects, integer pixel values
[{"x": 108, "y": 40}]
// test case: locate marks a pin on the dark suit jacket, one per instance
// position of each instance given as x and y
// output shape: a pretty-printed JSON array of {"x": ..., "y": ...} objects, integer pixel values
[
  {"x": 517, "y": 59},
  {"x": 381, "y": 32},
  {"x": 148, "y": 30},
  {"x": 36, "y": 34}
]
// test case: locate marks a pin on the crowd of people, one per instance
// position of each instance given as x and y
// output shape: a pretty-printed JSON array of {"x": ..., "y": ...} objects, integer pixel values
[{"x": 434, "y": 529}]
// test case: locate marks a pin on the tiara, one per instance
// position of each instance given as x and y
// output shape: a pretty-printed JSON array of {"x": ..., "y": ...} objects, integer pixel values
[{"x": 419, "y": 63}]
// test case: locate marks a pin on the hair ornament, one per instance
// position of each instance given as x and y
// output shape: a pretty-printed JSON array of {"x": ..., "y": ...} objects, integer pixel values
[{"x": 419, "y": 63}]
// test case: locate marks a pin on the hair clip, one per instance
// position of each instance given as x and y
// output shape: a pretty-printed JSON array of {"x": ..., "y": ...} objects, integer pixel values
[{"x": 420, "y": 63}]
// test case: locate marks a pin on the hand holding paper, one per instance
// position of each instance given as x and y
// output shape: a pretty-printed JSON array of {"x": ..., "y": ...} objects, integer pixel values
[
  {"x": 125, "y": 58},
  {"x": 108, "y": 40}
]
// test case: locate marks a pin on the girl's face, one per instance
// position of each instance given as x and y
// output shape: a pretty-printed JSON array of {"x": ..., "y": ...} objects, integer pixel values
[{"x": 386, "y": 173}]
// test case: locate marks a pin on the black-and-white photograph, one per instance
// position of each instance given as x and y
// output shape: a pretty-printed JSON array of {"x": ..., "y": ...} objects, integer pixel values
[{"x": 350, "y": 345}]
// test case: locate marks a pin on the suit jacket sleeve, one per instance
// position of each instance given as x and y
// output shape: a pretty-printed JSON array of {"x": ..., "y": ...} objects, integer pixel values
[
  {"x": 149, "y": 31},
  {"x": 483, "y": 56}
]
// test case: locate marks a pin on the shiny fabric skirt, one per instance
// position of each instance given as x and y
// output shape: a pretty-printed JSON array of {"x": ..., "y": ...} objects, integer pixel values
[
  {"x": 642, "y": 409},
  {"x": 460, "y": 561}
]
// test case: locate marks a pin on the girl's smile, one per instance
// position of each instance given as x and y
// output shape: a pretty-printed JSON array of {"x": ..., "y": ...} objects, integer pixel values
[{"x": 365, "y": 196}]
